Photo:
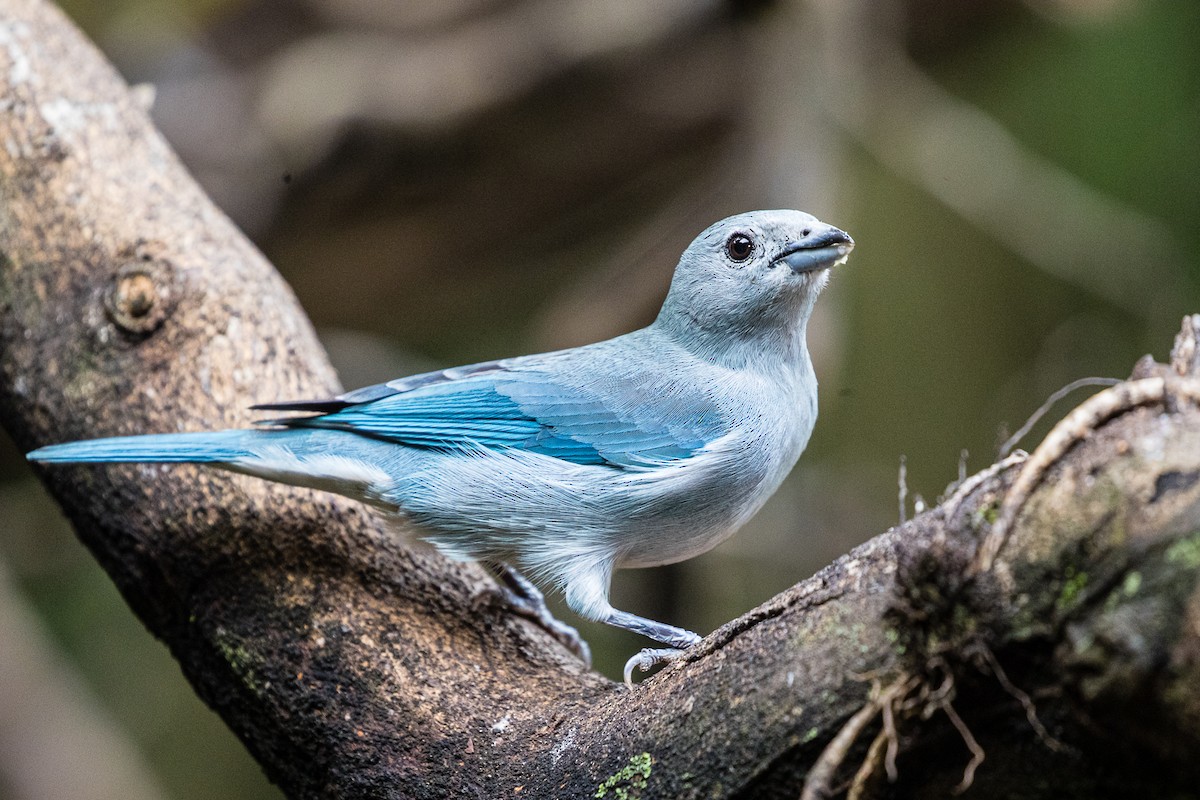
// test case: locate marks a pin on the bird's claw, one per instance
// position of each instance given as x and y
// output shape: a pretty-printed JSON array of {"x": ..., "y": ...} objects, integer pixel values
[
  {"x": 567, "y": 636},
  {"x": 526, "y": 600},
  {"x": 648, "y": 659}
]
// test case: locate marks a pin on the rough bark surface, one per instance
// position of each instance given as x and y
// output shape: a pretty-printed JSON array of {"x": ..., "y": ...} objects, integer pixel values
[{"x": 354, "y": 665}]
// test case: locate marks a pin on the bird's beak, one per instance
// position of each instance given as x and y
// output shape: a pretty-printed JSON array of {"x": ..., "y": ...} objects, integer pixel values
[{"x": 823, "y": 250}]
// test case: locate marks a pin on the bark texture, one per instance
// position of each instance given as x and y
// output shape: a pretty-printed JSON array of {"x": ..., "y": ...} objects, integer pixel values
[{"x": 352, "y": 665}]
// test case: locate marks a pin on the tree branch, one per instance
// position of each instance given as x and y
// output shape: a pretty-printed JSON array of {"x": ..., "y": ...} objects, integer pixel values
[{"x": 353, "y": 665}]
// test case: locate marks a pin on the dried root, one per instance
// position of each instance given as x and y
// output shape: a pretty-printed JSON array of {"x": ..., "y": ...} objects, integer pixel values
[
  {"x": 818, "y": 784},
  {"x": 965, "y": 487},
  {"x": 977, "y": 754},
  {"x": 929, "y": 700},
  {"x": 911, "y": 697},
  {"x": 907, "y": 696},
  {"x": 1071, "y": 430},
  {"x": 1045, "y": 407},
  {"x": 868, "y": 772},
  {"x": 1021, "y": 697}
]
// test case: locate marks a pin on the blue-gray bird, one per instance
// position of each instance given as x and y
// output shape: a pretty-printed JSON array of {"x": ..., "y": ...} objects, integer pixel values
[{"x": 642, "y": 450}]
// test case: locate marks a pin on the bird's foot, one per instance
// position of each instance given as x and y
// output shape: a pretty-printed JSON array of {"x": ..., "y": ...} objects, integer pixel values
[
  {"x": 650, "y": 658},
  {"x": 525, "y": 599}
]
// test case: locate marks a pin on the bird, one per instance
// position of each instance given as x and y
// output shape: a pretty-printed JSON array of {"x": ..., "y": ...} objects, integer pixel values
[{"x": 558, "y": 468}]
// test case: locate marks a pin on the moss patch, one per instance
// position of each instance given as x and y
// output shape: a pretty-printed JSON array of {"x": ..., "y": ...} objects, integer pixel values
[
  {"x": 987, "y": 514},
  {"x": 240, "y": 660},
  {"x": 630, "y": 781},
  {"x": 893, "y": 637},
  {"x": 1185, "y": 552},
  {"x": 1072, "y": 588}
]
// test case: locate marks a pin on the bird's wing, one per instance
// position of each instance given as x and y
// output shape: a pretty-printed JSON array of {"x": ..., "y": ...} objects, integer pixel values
[
  {"x": 624, "y": 420},
  {"x": 381, "y": 390}
]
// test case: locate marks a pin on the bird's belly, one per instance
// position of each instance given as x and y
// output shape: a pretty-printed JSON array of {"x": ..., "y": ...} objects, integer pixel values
[
  {"x": 527, "y": 509},
  {"x": 668, "y": 546},
  {"x": 701, "y": 507}
]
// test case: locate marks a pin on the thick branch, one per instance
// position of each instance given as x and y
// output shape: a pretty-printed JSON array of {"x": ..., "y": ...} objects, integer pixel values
[{"x": 354, "y": 666}]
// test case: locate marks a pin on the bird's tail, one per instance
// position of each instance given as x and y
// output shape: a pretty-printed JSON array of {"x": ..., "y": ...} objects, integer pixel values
[
  {"x": 219, "y": 447},
  {"x": 335, "y": 461}
]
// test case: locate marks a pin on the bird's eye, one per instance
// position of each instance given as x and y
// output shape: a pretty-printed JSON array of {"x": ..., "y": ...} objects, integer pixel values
[{"x": 739, "y": 247}]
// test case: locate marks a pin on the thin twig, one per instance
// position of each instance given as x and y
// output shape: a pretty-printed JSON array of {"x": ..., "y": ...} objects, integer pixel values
[{"x": 1007, "y": 447}]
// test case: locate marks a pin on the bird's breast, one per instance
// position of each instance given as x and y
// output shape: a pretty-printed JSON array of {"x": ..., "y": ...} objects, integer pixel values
[{"x": 692, "y": 505}]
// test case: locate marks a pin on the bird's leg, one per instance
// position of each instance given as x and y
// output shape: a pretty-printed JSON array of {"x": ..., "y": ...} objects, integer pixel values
[
  {"x": 647, "y": 659},
  {"x": 528, "y": 601},
  {"x": 586, "y": 590}
]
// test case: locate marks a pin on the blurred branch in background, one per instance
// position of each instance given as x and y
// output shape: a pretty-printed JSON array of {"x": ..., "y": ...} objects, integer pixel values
[
  {"x": 448, "y": 155},
  {"x": 426, "y": 80},
  {"x": 278, "y": 87},
  {"x": 968, "y": 161},
  {"x": 55, "y": 742}
]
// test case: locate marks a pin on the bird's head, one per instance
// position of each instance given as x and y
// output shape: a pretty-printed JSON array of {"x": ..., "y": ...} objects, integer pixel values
[{"x": 751, "y": 276}]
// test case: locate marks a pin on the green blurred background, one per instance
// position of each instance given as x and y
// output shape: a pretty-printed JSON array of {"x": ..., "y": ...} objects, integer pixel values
[{"x": 447, "y": 181}]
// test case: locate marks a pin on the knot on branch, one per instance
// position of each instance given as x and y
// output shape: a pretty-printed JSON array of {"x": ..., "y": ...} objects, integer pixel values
[{"x": 140, "y": 299}]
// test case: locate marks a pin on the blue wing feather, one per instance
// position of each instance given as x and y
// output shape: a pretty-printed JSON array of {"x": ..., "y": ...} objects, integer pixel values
[{"x": 500, "y": 404}]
